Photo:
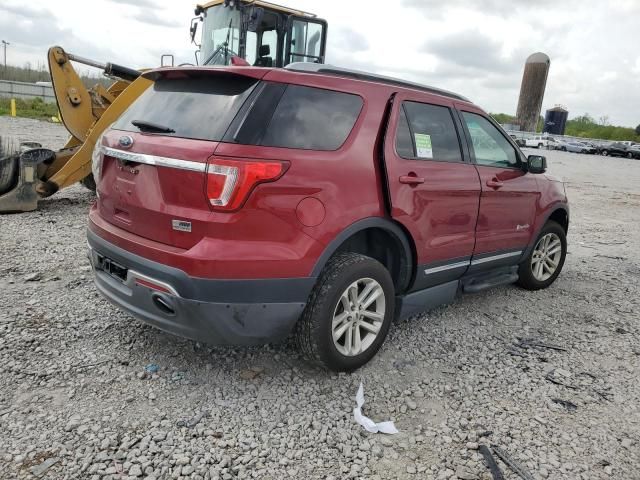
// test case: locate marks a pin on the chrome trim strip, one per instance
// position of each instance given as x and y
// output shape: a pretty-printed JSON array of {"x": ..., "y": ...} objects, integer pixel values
[
  {"x": 155, "y": 160},
  {"x": 131, "y": 281},
  {"x": 443, "y": 268},
  {"x": 493, "y": 258}
]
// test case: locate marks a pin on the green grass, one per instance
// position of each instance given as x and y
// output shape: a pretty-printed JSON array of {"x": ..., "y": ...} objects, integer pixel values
[{"x": 35, "y": 108}]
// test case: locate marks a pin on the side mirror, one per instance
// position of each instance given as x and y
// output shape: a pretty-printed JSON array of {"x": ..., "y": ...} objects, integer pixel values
[
  {"x": 537, "y": 164},
  {"x": 194, "y": 28}
]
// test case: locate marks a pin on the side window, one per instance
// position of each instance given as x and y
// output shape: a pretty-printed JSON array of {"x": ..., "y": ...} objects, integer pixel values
[
  {"x": 306, "y": 41},
  {"x": 312, "y": 118},
  {"x": 489, "y": 145},
  {"x": 404, "y": 144},
  {"x": 427, "y": 132}
]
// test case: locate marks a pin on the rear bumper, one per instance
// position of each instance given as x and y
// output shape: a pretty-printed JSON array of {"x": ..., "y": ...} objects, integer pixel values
[{"x": 220, "y": 312}]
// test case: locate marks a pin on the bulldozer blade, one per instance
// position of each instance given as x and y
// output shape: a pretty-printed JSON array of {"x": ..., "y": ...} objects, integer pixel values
[{"x": 22, "y": 197}]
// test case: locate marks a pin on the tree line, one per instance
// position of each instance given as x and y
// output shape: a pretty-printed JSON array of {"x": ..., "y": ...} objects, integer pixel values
[
  {"x": 40, "y": 73},
  {"x": 585, "y": 126}
]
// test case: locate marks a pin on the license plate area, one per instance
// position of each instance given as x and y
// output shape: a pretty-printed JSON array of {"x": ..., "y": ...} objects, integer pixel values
[{"x": 114, "y": 269}]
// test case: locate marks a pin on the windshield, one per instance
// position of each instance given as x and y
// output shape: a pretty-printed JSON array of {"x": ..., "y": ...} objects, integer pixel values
[{"x": 220, "y": 35}]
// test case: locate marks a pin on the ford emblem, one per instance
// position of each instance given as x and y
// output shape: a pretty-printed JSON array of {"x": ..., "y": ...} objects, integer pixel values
[{"x": 125, "y": 141}]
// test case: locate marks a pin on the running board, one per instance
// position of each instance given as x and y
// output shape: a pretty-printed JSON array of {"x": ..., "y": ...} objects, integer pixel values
[
  {"x": 426, "y": 299},
  {"x": 482, "y": 282}
]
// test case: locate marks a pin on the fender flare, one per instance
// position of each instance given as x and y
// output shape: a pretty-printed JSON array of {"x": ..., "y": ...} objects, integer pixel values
[
  {"x": 372, "y": 222},
  {"x": 558, "y": 206}
]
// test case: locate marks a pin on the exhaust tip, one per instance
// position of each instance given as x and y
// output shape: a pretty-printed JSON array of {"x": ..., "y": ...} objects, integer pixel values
[{"x": 164, "y": 304}]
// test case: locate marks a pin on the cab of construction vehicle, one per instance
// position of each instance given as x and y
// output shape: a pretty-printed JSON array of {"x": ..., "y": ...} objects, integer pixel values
[{"x": 261, "y": 33}]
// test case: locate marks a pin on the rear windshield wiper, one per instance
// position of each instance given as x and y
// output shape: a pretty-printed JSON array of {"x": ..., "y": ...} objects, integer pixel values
[{"x": 151, "y": 127}]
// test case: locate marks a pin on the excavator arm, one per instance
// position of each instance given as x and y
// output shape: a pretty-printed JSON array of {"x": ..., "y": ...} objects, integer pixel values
[{"x": 86, "y": 113}]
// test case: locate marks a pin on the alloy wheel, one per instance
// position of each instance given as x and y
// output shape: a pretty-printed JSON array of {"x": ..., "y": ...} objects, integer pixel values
[
  {"x": 546, "y": 257},
  {"x": 358, "y": 317}
]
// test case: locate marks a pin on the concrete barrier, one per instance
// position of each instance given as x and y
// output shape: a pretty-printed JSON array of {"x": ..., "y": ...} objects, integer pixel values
[{"x": 9, "y": 89}]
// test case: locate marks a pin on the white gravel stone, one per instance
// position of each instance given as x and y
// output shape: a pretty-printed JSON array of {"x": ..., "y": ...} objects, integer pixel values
[{"x": 70, "y": 365}]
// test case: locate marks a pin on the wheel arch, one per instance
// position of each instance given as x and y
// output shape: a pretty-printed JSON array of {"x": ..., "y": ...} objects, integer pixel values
[
  {"x": 379, "y": 238},
  {"x": 560, "y": 214}
]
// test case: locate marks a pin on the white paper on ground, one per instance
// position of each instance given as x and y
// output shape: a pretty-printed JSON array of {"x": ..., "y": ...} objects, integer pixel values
[{"x": 368, "y": 424}]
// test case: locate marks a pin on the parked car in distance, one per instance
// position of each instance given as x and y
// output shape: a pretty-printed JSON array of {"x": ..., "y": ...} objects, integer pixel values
[
  {"x": 634, "y": 151},
  {"x": 588, "y": 147},
  {"x": 552, "y": 143},
  {"x": 616, "y": 149},
  {"x": 538, "y": 141},
  {"x": 571, "y": 146},
  {"x": 238, "y": 205}
]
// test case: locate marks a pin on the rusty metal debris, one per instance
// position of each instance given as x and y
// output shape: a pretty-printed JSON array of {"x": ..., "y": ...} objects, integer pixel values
[
  {"x": 570, "y": 406},
  {"x": 526, "y": 343},
  {"x": 491, "y": 463},
  {"x": 550, "y": 376},
  {"x": 511, "y": 463}
]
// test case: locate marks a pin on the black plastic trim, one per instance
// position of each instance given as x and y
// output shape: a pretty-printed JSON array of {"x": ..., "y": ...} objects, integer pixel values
[
  {"x": 371, "y": 222},
  {"x": 561, "y": 206},
  {"x": 426, "y": 299},
  {"x": 272, "y": 290}
]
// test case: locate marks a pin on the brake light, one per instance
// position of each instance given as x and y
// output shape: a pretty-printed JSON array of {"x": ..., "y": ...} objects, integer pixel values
[{"x": 229, "y": 182}]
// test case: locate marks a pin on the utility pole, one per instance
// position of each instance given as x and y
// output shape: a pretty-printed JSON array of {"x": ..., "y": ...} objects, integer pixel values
[{"x": 4, "y": 45}]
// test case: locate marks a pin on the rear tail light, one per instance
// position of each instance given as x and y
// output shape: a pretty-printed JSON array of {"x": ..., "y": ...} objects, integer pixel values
[{"x": 229, "y": 182}]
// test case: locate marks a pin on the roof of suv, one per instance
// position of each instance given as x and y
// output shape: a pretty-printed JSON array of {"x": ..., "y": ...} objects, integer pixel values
[
  {"x": 301, "y": 68},
  {"x": 307, "y": 67}
]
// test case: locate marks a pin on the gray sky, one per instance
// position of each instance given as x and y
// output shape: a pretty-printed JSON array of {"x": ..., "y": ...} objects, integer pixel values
[{"x": 473, "y": 47}]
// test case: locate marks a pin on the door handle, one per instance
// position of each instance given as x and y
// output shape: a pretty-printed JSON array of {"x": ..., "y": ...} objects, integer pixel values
[
  {"x": 494, "y": 183},
  {"x": 411, "y": 179}
]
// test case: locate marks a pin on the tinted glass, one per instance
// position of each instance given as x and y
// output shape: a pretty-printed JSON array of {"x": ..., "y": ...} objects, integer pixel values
[
  {"x": 312, "y": 118},
  {"x": 404, "y": 144},
  {"x": 431, "y": 133},
  {"x": 491, "y": 148},
  {"x": 200, "y": 108}
]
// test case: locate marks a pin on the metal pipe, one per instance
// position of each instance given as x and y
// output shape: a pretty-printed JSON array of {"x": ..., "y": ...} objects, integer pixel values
[
  {"x": 108, "y": 68},
  {"x": 86, "y": 61}
]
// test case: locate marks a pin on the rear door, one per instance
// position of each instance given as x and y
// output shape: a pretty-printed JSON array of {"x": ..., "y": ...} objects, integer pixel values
[
  {"x": 509, "y": 194},
  {"x": 155, "y": 156},
  {"x": 434, "y": 190}
]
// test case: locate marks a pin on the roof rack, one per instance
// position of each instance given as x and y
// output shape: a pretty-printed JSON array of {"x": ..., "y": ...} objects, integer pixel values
[{"x": 309, "y": 67}]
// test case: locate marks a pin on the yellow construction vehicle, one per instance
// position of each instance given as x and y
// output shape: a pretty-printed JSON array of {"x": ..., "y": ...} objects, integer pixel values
[{"x": 241, "y": 32}]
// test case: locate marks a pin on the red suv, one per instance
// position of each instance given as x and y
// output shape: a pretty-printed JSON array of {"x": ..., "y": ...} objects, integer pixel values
[{"x": 239, "y": 204}]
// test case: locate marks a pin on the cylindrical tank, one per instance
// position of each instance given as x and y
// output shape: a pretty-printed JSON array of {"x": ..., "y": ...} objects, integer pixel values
[
  {"x": 555, "y": 120},
  {"x": 534, "y": 81}
]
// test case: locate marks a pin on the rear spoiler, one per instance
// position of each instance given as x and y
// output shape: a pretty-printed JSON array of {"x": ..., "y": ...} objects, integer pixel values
[{"x": 187, "y": 72}]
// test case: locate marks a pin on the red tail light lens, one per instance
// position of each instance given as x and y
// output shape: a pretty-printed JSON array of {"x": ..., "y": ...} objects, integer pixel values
[{"x": 229, "y": 182}]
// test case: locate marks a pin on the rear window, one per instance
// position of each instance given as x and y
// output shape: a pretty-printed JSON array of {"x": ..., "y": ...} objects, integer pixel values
[
  {"x": 199, "y": 107},
  {"x": 293, "y": 116}
]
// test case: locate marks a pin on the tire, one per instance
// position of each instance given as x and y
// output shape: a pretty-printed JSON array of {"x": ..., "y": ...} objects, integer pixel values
[
  {"x": 539, "y": 145},
  {"x": 530, "y": 278},
  {"x": 314, "y": 330},
  {"x": 629, "y": 155},
  {"x": 9, "y": 158},
  {"x": 89, "y": 183},
  {"x": 605, "y": 153},
  {"x": 564, "y": 149}
]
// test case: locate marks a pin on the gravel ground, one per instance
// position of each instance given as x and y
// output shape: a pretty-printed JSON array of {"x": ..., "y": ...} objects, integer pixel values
[{"x": 76, "y": 401}]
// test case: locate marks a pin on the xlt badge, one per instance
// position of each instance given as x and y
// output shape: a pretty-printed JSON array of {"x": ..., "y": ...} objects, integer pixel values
[{"x": 181, "y": 225}]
